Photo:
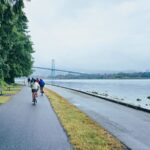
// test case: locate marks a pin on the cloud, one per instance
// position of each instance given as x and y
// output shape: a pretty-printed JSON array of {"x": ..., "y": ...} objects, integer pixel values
[{"x": 88, "y": 35}]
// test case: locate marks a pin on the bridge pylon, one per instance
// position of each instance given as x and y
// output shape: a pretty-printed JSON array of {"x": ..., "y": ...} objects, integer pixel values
[{"x": 53, "y": 69}]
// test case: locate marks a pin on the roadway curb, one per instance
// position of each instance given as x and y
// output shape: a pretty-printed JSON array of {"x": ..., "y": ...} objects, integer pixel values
[{"x": 106, "y": 98}]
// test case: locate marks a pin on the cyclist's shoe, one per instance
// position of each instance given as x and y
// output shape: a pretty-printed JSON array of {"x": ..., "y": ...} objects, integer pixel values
[{"x": 34, "y": 100}]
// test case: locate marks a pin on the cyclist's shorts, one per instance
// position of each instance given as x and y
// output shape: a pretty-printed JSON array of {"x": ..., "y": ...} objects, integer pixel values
[{"x": 34, "y": 90}]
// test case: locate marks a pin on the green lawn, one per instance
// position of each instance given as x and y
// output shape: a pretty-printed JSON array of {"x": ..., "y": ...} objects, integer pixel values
[
  {"x": 8, "y": 91},
  {"x": 4, "y": 99}
]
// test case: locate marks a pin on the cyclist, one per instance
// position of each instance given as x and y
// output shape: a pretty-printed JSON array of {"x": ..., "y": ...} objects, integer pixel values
[
  {"x": 32, "y": 80},
  {"x": 35, "y": 87},
  {"x": 29, "y": 80},
  {"x": 37, "y": 80},
  {"x": 41, "y": 83}
]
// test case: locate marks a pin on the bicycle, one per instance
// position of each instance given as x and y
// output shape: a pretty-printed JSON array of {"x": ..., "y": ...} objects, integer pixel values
[
  {"x": 41, "y": 91},
  {"x": 34, "y": 98}
]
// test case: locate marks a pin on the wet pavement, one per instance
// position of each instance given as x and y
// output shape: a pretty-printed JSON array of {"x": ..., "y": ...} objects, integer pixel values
[
  {"x": 24, "y": 126},
  {"x": 130, "y": 126}
]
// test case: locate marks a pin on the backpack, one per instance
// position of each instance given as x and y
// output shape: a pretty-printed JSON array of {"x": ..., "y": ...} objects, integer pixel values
[{"x": 42, "y": 83}]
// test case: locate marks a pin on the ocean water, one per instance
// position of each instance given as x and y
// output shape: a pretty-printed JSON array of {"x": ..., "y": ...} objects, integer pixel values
[{"x": 127, "y": 89}]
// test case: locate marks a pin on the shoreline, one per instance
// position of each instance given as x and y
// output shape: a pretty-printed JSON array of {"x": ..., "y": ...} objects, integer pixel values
[{"x": 107, "y": 98}]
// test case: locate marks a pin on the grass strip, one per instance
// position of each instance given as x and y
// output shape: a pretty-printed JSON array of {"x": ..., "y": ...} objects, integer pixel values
[
  {"x": 84, "y": 133},
  {"x": 4, "y": 99},
  {"x": 8, "y": 92}
]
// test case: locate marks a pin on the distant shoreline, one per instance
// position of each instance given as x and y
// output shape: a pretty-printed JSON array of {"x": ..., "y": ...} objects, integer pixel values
[
  {"x": 97, "y": 78},
  {"x": 121, "y": 75}
]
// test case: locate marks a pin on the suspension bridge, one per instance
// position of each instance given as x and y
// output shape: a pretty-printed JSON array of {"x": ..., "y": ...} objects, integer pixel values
[
  {"x": 59, "y": 70},
  {"x": 54, "y": 70}
]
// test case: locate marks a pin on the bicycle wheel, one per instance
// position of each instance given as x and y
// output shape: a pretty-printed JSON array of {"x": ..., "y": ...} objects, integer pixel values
[{"x": 34, "y": 101}]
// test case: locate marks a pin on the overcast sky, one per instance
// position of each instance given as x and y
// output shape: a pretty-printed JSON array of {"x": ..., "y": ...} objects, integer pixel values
[{"x": 91, "y": 35}]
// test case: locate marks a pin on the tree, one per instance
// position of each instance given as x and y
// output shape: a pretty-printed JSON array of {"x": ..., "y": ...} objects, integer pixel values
[
  {"x": 15, "y": 43},
  {"x": 5, "y": 27}
]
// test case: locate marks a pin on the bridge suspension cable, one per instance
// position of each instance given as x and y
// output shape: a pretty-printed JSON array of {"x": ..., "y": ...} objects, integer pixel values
[{"x": 60, "y": 70}]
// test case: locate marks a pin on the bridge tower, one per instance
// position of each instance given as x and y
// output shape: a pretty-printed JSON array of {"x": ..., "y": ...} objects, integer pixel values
[{"x": 53, "y": 69}]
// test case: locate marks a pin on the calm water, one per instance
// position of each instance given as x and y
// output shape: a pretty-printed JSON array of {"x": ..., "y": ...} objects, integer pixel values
[{"x": 130, "y": 90}]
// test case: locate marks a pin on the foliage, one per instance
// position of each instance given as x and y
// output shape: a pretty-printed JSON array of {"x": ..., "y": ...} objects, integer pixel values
[
  {"x": 121, "y": 75},
  {"x": 15, "y": 43}
]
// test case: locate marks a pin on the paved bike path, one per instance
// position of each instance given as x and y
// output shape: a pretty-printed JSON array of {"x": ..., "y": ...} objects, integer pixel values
[{"x": 24, "y": 126}]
